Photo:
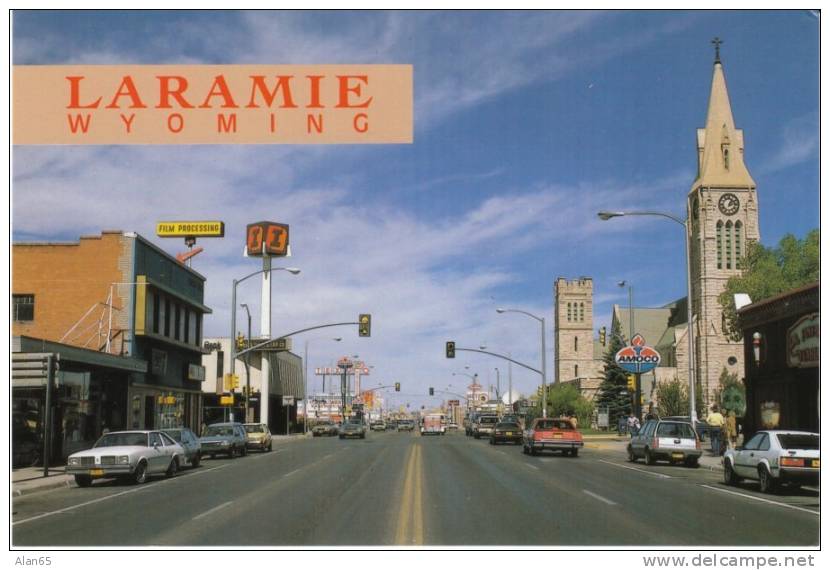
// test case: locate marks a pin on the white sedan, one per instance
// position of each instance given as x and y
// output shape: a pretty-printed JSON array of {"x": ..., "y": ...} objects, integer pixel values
[
  {"x": 774, "y": 457},
  {"x": 133, "y": 455}
]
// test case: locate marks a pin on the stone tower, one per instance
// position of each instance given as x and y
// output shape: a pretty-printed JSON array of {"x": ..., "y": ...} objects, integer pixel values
[
  {"x": 723, "y": 208},
  {"x": 573, "y": 328}
]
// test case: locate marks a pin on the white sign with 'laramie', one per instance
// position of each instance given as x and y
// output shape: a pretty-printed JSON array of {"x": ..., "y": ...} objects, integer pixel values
[
  {"x": 212, "y": 104},
  {"x": 804, "y": 342}
]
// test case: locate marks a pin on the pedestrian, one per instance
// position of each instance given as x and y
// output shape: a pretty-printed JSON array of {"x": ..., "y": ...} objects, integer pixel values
[
  {"x": 621, "y": 425},
  {"x": 203, "y": 429},
  {"x": 573, "y": 420},
  {"x": 715, "y": 420},
  {"x": 633, "y": 424},
  {"x": 731, "y": 430}
]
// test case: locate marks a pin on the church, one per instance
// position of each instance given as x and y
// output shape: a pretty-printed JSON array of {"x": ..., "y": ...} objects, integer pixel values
[{"x": 722, "y": 216}]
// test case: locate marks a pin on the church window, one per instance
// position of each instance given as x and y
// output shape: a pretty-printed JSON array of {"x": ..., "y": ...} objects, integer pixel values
[
  {"x": 576, "y": 370},
  {"x": 576, "y": 343},
  {"x": 726, "y": 158},
  {"x": 569, "y": 312},
  {"x": 728, "y": 240},
  {"x": 738, "y": 243},
  {"x": 719, "y": 243},
  {"x": 582, "y": 312}
]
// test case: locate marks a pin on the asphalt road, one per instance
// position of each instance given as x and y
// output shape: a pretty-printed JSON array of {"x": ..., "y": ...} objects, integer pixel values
[{"x": 403, "y": 489}]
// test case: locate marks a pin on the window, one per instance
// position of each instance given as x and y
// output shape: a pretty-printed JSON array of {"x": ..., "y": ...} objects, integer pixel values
[
  {"x": 569, "y": 312},
  {"x": 576, "y": 370},
  {"x": 220, "y": 364},
  {"x": 738, "y": 243},
  {"x": 764, "y": 444},
  {"x": 165, "y": 317},
  {"x": 197, "y": 340},
  {"x": 177, "y": 323},
  {"x": 719, "y": 243},
  {"x": 155, "y": 297},
  {"x": 582, "y": 312},
  {"x": 726, "y": 158},
  {"x": 729, "y": 244},
  {"x": 576, "y": 343},
  {"x": 192, "y": 333},
  {"x": 181, "y": 323},
  {"x": 755, "y": 441},
  {"x": 187, "y": 325},
  {"x": 23, "y": 307},
  {"x": 155, "y": 439}
]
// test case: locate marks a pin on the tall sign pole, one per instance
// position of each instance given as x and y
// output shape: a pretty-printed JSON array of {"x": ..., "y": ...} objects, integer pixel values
[{"x": 265, "y": 332}]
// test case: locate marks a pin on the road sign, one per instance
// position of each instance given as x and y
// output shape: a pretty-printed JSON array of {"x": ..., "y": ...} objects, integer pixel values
[
  {"x": 267, "y": 238},
  {"x": 276, "y": 345},
  {"x": 226, "y": 400},
  {"x": 637, "y": 358},
  {"x": 288, "y": 400},
  {"x": 453, "y": 402}
]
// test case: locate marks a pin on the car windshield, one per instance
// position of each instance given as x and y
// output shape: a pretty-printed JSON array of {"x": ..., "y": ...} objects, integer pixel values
[
  {"x": 118, "y": 439},
  {"x": 489, "y": 420},
  {"x": 508, "y": 425},
  {"x": 175, "y": 434},
  {"x": 256, "y": 428},
  {"x": 554, "y": 424},
  {"x": 219, "y": 430},
  {"x": 798, "y": 440},
  {"x": 670, "y": 429}
]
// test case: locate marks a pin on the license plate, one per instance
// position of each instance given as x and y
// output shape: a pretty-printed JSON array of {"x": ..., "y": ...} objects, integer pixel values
[
  {"x": 815, "y": 463},
  {"x": 557, "y": 436},
  {"x": 96, "y": 472},
  {"x": 509, "y": 433},
  {"x": 677, "y": 456}
]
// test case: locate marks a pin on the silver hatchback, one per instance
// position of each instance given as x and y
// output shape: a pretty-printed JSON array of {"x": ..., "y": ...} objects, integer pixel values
[{"x": 673, "y": 441}]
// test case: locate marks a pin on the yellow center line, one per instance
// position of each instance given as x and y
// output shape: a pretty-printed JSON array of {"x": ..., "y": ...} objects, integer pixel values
[{"x": 410, "y": 528}]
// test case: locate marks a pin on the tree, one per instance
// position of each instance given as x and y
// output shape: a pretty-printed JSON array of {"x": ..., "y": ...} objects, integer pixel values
[
  {"x": 770, "y": 271},
  {"x": 672, "y": 398},
  {"x": 612, "y": 392},
  {"x": 565, "y": 399},
  {"x": 731, "y": 393}
]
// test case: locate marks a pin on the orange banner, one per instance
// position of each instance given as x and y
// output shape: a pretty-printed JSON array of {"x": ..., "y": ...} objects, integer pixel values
[{"x": 211, "y": 104}]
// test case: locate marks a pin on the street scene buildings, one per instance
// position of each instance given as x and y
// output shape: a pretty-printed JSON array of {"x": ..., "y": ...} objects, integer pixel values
[{"x": 493, "y": 314}]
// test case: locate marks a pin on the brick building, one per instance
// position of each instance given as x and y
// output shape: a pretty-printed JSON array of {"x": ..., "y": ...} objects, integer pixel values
[{"x": 128, "y": 316}]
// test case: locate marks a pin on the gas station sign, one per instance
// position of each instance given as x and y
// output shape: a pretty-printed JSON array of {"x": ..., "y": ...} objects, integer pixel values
[
  {"x": 267, "y": 239},
  {"x": 637, "y": 358}
]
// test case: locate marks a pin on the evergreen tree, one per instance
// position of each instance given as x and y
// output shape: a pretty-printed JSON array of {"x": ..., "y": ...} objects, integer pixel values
[{"x": 612, "y": 392}]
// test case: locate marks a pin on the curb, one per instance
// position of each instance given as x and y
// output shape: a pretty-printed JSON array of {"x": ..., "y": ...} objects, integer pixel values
[{"x": 40, "y": 488}]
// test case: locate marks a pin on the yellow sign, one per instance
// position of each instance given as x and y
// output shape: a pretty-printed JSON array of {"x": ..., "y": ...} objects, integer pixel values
[
  {"x": 191, "y": 229},
  {"x": 226, "y": 400}
]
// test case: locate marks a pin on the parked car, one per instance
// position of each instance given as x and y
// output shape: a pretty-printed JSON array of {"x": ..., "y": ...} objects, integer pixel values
[
  {"x": 227, "y": 438},
  {"x": 556, "y": 434},
  {"x": 406, "y": 425},
  {"x": 670, "y": 440},
  {"x": 352, "y": 428},
  {"x": 484, "y": 426},
  {"x": 508, "y": 432},
  {"x": 325, "y": 427},
  {"x": 258, "y": 436},
  {"x": 377, "y": 426},
  {"x": 391, "y": 424},
  {"x": 704, "y": 430},
  {"x": 775, "y": 457},
  {"x": 133, "y": 455},
  {"x": 452, "y": 425},
  {"x": 189, "y": 442}
]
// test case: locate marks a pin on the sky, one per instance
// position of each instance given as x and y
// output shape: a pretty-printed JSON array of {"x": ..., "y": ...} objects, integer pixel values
[{"x": 526, "y": 125}]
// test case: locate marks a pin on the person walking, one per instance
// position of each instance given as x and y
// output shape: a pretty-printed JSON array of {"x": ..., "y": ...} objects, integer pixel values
[
  {"x": 731, "y": 430},
  {"x": 716, "y": 420}
]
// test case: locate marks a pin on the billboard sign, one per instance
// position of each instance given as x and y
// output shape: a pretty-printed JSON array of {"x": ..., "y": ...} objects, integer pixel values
[
  {"x": 267, "y": 239},
  {"x": 191, "y": 229},
  {"x": 637, "y": 358},
  {"x": 804, "y": 342}
]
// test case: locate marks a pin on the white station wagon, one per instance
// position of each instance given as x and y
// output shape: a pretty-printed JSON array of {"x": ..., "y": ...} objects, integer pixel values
[{"x": 133, "y": 455}]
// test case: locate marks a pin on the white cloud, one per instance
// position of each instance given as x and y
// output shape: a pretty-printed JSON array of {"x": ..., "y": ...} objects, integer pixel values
[{"x": 799, "y": 143}]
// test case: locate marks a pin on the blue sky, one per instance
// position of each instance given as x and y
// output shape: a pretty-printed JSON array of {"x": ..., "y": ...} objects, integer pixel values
[{"x": 526, "y": 124}]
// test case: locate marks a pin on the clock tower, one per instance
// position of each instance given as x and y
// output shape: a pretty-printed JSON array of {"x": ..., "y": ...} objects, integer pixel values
[{"x": 723, "y": 210}]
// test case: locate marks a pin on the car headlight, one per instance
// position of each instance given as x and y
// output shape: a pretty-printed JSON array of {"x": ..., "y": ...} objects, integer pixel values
[
  {"x": 226, "y": 443},
  {"x": 123, "y": 459},
  {"x": 74, "y": 461}
]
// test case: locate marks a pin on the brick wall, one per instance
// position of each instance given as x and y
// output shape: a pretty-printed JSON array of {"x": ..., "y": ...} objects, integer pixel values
[{"x": 67, "y": 280}]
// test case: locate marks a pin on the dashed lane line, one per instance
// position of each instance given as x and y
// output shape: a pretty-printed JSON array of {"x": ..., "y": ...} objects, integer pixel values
[
  {"x": 761, "y": 499},
  {"x": 652, "y": 473},
  {"x": 213, "y": 510},
  {"x": 599, "y": 497}
]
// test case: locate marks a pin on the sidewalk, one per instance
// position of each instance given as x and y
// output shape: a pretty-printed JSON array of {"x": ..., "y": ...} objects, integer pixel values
[{"x": 619, "y": 444}]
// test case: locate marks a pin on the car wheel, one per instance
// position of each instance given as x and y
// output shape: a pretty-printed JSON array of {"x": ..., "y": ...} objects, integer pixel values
[
  {"x": 631, "y": 457},
  {"x": 83, "y": 480},
  {"x": 649, "y": 457},
  {"x": 244, "y": 451},
  {"x": 768, "y": 484},
  {"x": 492, "y": 441},
  {"x": 729, "y": 475},
  {"x": 691, "y": 462},
  {"x": 533, "y": 451},
  {"x": 574, "y": 452},
  {"x": 270, "y": 445},
  {"x": 197, "y": 459},
  {"x": 140, "y": 473},
  {"x": 172, "y": 468},
  {"x": 232, "y": 453}
]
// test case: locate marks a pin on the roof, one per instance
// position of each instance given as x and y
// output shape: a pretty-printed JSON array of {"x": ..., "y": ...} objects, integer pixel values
[
  {"x": 650, "y": 323},
  {"x": 779, "y": 297},
  {"x": 718, "y": 137},
  {"x": 69, "y": 353}
]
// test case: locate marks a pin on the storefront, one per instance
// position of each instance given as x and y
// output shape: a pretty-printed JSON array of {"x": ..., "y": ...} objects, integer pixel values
[
  {"x": 782, "y": 358},
  {"x": 89, "y": 396}
]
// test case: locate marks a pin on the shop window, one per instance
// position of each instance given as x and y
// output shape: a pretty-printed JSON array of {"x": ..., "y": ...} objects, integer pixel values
[{"x": 23, "y": 307}]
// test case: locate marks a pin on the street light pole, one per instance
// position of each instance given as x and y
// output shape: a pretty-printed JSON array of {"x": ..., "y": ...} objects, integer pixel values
[
  {"x": 248, "y": 419},
  {"x": 544, "y": 359},
  {"x": 689, "y": 330}
]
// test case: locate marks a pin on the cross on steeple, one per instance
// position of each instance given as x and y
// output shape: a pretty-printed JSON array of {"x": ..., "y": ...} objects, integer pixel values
[{"x": 717, "y": 42}]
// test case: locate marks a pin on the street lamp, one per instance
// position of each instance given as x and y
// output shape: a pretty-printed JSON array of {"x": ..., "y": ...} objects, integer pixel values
[
  {"x": 305, "y": 380},
  {"x": 544, "y": 363},
  {"x": 248, "y": 419},
  {"x": 685, "y": 223}
]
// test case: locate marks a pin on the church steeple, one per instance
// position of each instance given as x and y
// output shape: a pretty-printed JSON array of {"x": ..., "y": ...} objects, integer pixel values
[{"x": 720, "y": 145}]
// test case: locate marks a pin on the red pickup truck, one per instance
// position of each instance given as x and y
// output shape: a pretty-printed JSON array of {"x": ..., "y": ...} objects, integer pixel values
[{"x": 556, "y": 434}]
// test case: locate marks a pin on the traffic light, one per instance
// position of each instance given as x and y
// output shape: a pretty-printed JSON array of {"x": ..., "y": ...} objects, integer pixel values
[
  {"x": 632, "y": 382},
  {"x": 364, "y": 325},
  {"x": 231, "y": 382},
  {"x": 397, "y": 386},
  {"x": 240, "y": 342},
  {"x": 432, "y": 391},
  {"x": 450, "y": 349},
  {"x": 602, "y": 336}
]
